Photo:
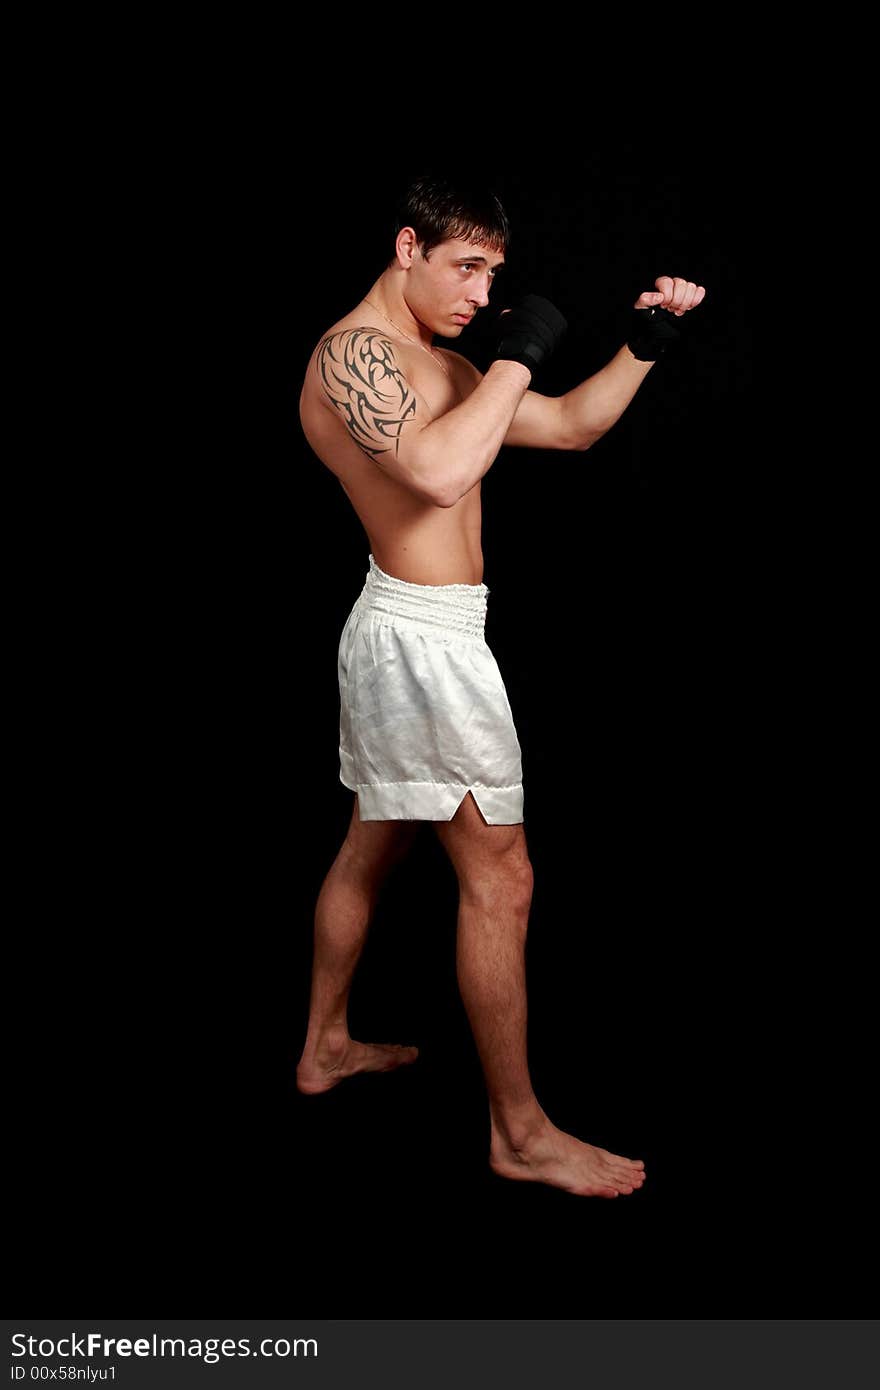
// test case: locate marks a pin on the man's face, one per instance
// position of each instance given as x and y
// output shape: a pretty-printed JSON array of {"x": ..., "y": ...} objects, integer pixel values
[{"x": 447, "y": 289}]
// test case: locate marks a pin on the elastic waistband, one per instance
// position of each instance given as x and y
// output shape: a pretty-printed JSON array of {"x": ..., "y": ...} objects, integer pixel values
[{"x": 453, "y": 607}]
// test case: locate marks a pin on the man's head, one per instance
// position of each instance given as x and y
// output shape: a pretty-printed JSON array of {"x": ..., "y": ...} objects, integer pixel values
[
  {"x": 439, "y": 209},
  {"x": 450, "y": 242}
]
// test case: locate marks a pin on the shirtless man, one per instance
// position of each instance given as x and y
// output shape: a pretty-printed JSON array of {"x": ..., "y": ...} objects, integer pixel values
[{"x": 409, "y": 429}]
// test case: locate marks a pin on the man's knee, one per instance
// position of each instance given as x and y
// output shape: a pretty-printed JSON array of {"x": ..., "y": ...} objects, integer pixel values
[
  {"x": 520, "y": 879},
  {"x": 501, "y": 887},
  {"x": 525, "y": 879},
  {"x": 491, "y": 861}
]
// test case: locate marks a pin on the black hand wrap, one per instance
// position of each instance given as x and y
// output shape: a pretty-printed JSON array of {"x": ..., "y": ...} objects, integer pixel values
[
  {"x": 529, "y": 332},
  {"x": 652, "y": 332}
]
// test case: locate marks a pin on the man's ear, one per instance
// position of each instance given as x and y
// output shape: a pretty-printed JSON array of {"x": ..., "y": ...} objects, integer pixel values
[{"x": 406, "y": 247}]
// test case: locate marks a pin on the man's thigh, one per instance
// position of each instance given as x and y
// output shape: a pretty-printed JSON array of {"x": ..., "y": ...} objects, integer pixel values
[
  {"x": 471, "y": 842},
  {"x": 380, "y": 843}
]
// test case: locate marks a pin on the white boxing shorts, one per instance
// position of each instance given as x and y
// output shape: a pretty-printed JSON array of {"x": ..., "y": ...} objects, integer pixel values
[{"x": 424, "y": 715}]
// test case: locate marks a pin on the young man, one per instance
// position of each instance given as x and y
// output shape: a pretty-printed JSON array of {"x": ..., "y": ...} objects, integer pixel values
[{"x": 426, "y": 729}]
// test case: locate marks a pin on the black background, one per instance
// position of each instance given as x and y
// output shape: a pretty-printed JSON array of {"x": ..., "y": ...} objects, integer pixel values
[{"x": 163, "y": 1152}]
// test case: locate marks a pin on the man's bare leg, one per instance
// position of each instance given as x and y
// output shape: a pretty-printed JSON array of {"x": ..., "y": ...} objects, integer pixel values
[
  {"x": 344, "y": 910},
  {"x": 495, "y": 886}
]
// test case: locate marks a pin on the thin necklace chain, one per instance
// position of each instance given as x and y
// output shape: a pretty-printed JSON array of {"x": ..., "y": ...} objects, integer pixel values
[{"x": 438, "y": 360}]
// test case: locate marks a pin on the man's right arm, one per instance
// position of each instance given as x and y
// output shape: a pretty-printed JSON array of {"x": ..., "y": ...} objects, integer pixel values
[{"x": 361, "y": 379}]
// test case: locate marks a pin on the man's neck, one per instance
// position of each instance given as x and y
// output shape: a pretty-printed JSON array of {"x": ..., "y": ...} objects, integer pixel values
[{"x": 386, "y": 295}]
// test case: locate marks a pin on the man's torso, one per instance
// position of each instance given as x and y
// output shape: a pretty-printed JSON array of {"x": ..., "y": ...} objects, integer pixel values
[{"x": 408, "y": 537}]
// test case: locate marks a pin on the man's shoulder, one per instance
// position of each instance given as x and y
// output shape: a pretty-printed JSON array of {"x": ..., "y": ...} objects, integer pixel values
[
  {"x": 339, "y": 335},
  {"x": 338, "y": 331},
  {"x": 331, "y": 343},
  {"x": 360, "y": 319}
]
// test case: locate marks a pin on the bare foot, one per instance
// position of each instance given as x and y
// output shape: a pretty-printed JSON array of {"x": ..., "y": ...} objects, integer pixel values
[
  {"x": 549, "y": 1155},
  {"x": 327, "y": 1063}
]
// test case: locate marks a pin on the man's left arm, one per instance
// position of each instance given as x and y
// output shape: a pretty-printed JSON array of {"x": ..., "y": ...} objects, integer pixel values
[{"x": 580, "y": 417}]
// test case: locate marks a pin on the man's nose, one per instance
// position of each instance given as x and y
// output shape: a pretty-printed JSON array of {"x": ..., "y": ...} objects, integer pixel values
[{"x": 479, "y": 292}]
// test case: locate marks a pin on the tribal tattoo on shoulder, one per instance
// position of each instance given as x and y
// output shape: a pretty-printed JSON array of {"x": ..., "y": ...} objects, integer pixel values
[{"x": 362, "y": 379}]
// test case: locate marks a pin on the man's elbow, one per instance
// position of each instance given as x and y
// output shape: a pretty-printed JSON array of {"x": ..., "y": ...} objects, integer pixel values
[
  {"x": 428, "y": 490},
  {"x": 440, "y": 491},
  {"x": 593, "y": 438},
  {"x": 430, "y": 496},
  {"x": 455, "y": 491},
  {"x": 429, "y": 483}
]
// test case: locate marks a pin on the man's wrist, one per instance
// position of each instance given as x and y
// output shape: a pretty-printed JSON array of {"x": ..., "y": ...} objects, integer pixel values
[
  {"x": 647, "y": 363},
  {"x": 652, "y": 333},
  {"x": 508, "y": 368}
]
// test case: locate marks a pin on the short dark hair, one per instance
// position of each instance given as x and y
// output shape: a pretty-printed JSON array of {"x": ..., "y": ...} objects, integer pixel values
[{"x": 438, "y": 208}]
